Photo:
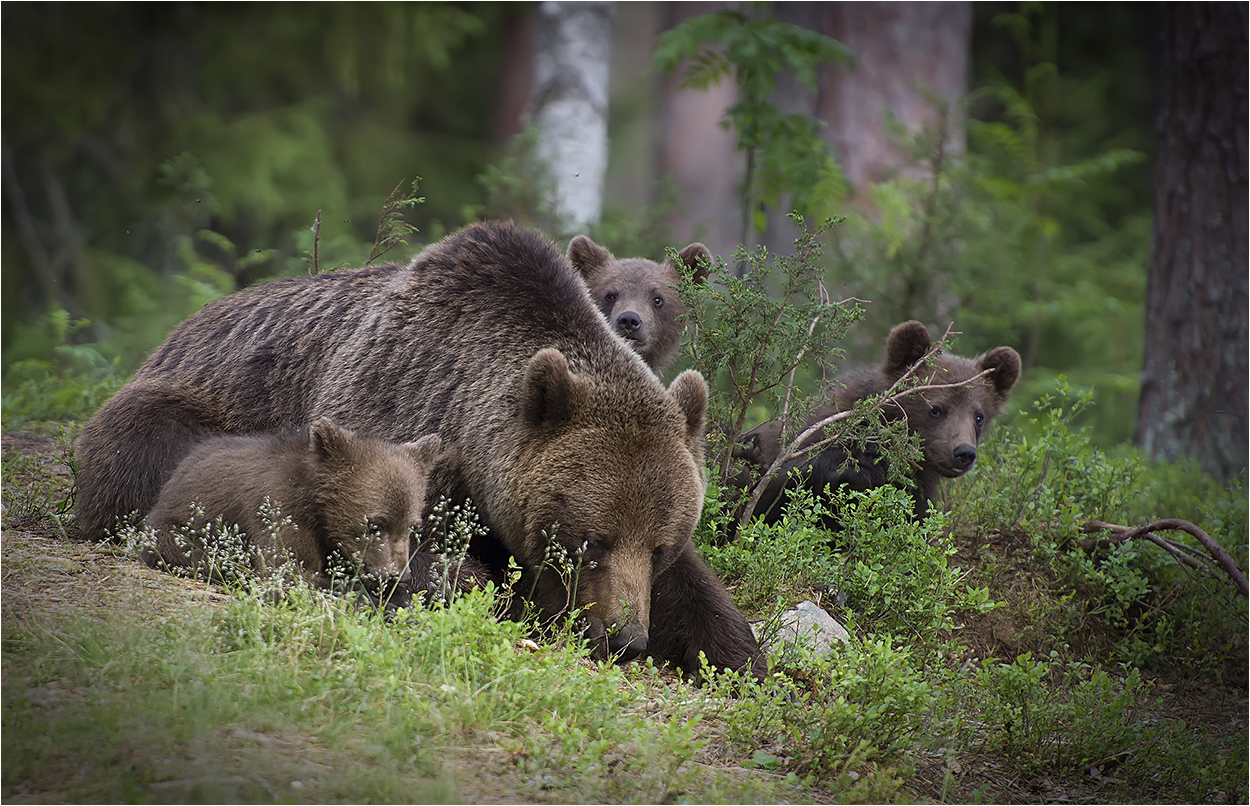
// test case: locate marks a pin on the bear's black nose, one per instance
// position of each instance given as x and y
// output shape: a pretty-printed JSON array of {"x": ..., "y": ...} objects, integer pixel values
[
  {"x": 628, "y": 322},
  {"x": 627, "y": 644},
  {"x": 965, "y": 455}
]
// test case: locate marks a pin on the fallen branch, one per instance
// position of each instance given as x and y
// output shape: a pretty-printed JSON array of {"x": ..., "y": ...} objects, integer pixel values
[{"x": 1123, "y": 534}]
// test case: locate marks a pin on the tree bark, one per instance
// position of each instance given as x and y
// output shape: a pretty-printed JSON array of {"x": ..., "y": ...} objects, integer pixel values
[
  {"x": 908, "y": 56},
  {"x": 1194, "y": 376},
  {"x": 701, "y": 157},
  {"x": 570, "y": 104}
]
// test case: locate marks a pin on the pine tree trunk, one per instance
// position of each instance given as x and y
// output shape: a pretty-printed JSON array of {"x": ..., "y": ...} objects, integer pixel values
[
  {"x": 570, "y": 104},
  {"x": 1194, "y": 376}
]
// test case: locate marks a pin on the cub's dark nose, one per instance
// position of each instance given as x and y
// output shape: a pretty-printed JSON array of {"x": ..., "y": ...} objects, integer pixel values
[
  {"x": 628, "y": 322},
  {"x": 627, "y": 644},
  {"x": 964, "y": 456}
]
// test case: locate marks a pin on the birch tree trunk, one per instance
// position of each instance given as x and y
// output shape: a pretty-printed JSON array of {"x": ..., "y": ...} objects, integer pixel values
[
  {"x": 1194, "y": 375},
  {"x": 570, "y": 104}
]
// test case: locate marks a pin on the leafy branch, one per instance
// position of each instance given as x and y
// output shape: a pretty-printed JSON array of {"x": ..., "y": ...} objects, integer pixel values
[
  {"x": 785, "y": 153},
  {"x": 392, "y": 229},
  {"x": 756, "y": 342}
]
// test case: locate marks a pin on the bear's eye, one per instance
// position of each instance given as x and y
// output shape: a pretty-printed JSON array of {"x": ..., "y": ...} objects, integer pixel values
[
  {"x": 374, "y": 526},
  {"x": 936, "y": 411},
  {"x": 657, "y": 301},
  {"x": 657, "y": 556},
  {"x": 609, "y": 297},
  {"x": 980, "y": 419}
]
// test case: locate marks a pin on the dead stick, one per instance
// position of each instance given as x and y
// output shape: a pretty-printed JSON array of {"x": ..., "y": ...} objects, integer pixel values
[{"x": 1125, "y": 533}]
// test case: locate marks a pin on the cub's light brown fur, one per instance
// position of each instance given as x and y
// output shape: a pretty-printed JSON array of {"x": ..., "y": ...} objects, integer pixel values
[{"x": 336, "y": 491}]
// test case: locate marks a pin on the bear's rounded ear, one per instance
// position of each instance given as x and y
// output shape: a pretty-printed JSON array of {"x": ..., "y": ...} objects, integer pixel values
[
  {"x": 424, "y": 451},
  {"x": 588, "y": 257},
  {"x": 1006, "y": 365},
  {"x": 907, "y": 344},
  {"x": 327, "y": 440},
  {"x": 689, "y": 390},
  {"x": 547, "y": 390},
  {"x": 698, "y": 259}
]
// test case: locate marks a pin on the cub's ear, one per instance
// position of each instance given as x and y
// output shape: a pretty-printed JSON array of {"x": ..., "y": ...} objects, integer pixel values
[
  {"x": 547, "y": 390},
  {"x": 327, "y": 440},
  {"x": 424, "y": 451},
  {"x": 697, "y": 259},
  {"x": 1006, "y": 365},
  {"x": 906, "y": 345},
  {"x": 588, "y": 257},
  {"x": 689, "y": 390}
]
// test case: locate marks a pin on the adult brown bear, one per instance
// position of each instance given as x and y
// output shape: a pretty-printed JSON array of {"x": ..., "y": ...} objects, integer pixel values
[{"x": 552, "y": 426}]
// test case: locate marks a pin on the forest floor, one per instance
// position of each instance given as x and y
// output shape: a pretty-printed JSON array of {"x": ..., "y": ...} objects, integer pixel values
[{"x": 49, "y": 578}]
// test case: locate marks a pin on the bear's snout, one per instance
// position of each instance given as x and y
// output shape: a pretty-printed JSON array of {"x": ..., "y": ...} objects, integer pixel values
[
  {"x": 627, "y": 642},
  {"x": 628, "y": 322},
  {"x": 964, "y": 456}
]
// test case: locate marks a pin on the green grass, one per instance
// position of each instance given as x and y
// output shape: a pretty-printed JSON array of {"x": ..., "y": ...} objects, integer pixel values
[{"x": 989, "y": 657}]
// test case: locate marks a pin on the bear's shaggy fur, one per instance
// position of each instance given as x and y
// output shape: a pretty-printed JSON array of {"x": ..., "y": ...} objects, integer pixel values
[
  {"x": 639, "y": 296},
  {"x": 949, "y": 421},
  {"x": 553, "y": 427},
  {"x": 336, "y": 491}
]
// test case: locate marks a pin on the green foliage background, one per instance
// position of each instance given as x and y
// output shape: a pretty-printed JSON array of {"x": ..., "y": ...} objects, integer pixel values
[{"x": 156, "y": 157}]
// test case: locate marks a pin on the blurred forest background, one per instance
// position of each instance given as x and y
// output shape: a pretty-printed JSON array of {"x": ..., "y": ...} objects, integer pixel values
[{"x": 995, "y": 163}]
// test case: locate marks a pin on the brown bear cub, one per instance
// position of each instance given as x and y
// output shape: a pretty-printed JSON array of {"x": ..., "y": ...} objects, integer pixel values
[
  {"x": 638, "y": 296},
  {"x": 949, "y": 421},
  {"x": 337, "y": 492}
]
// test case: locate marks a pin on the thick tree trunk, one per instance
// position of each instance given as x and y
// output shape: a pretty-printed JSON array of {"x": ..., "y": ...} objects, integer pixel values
[
  {"x": 570, "y": 104},
  {"x": 701, "y": 157},
  {"x": 908, "y": 56},
  {"x": 1194, "y": 375}
]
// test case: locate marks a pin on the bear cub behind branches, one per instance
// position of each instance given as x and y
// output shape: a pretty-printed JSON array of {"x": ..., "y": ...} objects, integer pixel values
[
  {"x": 639, "y": 296},
  {"x": 335, "y": 492},
  {"x": 949, "y": 421}
]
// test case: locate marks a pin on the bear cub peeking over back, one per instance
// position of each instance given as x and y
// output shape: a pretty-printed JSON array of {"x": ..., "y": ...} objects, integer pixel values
[
  {"x": 638, "y": 296},
  {"x": 336, "y": 491},
  {"x": 949, "y": 421}
]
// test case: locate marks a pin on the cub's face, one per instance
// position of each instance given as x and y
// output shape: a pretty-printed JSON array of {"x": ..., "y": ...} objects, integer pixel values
[
  {"x": 379, "y": 509},
  {"x": 611, "y": 518},
  {"x": 639, "y": 297},
  {"x": 640, "y": 302},
  {"x": 370, "y": 495},
  {"x": 950, "y": 423}
]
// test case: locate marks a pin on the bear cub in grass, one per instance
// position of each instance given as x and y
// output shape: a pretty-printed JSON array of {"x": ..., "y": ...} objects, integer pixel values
[
  {"x": 949, "y": 421},
  {"x": 639, "y": 296},
  {"x": 337, "y": 491}
]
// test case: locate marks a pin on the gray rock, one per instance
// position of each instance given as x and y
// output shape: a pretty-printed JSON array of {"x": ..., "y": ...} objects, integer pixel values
[{"x": 809, "y": 624}]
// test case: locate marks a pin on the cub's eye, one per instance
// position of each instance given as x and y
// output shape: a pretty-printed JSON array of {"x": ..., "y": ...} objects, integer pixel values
[
  {"x": 936, "y": 411},
  {"x": 657, "y": 301},
  {"x": 374, "y": 526},
  {"x": 657, "y": 556},
  {"x": 610, "y": 297},
  {"x": 980, "y": 418}
]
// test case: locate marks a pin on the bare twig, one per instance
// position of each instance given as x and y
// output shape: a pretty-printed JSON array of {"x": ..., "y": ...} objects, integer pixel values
[
  {"x": 1123, "y": 534},
  {"x": 316, "y": 264},
  {"x": 785, "y": 406}
]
